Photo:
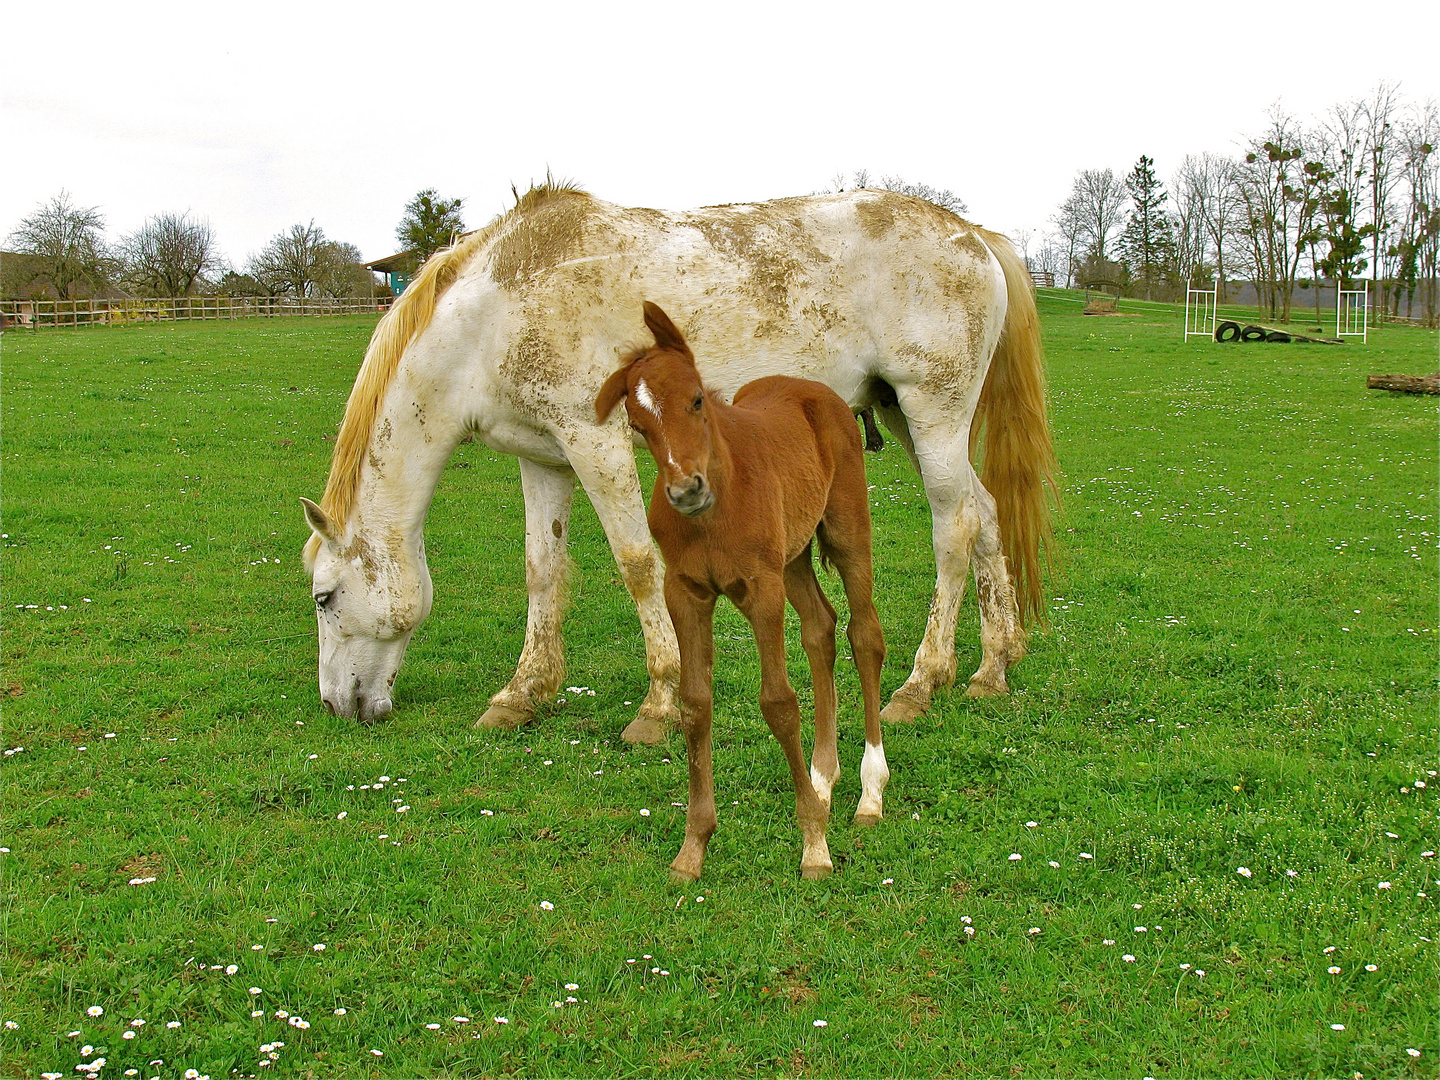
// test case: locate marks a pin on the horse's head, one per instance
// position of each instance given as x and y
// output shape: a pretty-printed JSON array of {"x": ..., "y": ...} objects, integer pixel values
[
  {"x": 371, "y": 589},
  {"x": 667, "y": 406}
]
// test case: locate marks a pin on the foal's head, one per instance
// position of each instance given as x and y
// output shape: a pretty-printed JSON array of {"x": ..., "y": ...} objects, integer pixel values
[{"x": 667, "y": 406}]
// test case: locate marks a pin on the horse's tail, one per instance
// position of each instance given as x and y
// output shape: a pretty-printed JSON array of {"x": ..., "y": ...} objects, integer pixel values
[{"x": 1019, "y": 468}]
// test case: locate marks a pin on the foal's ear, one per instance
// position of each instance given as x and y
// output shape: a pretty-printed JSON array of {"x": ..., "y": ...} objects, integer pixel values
[
  {"x": 667, "y": 335},
  {"x": 319, "y": 521},
  {"x": 611, "y": 394}
]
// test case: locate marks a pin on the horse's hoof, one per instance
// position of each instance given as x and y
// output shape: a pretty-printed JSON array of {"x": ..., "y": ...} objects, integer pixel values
[
  {"x": 816, "y": 873},
  {"x": 645, "y": 731},
  {"x": 683, "y": 877},
  {"x": 981, "y": 688},
  {"x": 503, "y": 718},
  {"x": 867, "y": 821},
  {"x": 903, "y": 709}
]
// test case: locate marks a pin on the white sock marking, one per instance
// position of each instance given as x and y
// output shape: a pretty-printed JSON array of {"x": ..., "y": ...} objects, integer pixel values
[{"x": 874, "y": 775}]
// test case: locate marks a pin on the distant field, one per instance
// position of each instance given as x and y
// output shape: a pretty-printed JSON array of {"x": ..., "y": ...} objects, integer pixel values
[{"x": 1197, "y": 840}]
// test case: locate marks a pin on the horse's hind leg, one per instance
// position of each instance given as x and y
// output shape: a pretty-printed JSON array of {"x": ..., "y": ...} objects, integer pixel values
[
  {"x": 845, "y": 541},
  {"x": 940, "y": 453},
  {"x": 817, "y": 633},
  {"x": 1002, "y": 637},
  {"x": 541, "y": 669}
]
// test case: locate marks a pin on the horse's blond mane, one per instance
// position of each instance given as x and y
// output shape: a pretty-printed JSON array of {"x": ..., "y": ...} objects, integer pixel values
[{"x": 403, "y": 323}]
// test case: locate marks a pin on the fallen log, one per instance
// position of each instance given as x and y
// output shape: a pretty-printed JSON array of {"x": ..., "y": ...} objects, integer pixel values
[{"x": 1406, "y": 384}]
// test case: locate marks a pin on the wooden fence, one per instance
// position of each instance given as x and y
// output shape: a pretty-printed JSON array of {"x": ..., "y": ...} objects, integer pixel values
[{"x": 45, "y": 313}]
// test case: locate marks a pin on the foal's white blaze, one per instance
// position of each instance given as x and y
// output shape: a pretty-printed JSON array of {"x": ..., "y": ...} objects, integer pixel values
[
  {"x": 646, "y": 399},
  {"x": 874, "y": 775}
]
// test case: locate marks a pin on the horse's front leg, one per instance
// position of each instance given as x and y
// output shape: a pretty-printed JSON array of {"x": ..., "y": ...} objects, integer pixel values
[
  {"x": 606, "y": 469},
  {"x": 694, "y": 628},
  {"x": 764, "y": 606},
  {"x": 548, "y": 492}
]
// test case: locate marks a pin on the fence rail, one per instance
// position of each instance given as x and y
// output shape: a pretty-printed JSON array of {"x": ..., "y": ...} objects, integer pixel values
[{"x": 41, "y": 313}]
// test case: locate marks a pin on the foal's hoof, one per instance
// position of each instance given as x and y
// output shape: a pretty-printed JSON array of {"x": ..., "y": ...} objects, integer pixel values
[
  {"x": 683, "y": 877},
  {"x": 503, "y": 718},
  {"x": 816, "y": 873},
  {"x": 645, "y": 731}
]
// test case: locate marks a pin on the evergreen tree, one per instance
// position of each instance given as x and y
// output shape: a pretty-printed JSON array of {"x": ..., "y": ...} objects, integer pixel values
[
  {"x": 430, "y": 223},
  {"x": 1148, "y": 242}
]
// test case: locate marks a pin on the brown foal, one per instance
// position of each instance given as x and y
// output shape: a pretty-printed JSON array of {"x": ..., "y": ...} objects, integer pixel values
[{"x": 741, "y": 491}]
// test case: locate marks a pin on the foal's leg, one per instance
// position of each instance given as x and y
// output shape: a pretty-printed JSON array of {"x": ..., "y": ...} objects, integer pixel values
[
  {"x": 541, "y": 669},
  {"x": 764, "y": 606},
  {"x": 694, "y": 627},
  {"x": 817, "y": 632},
  {"x": 845, "y": 540}
]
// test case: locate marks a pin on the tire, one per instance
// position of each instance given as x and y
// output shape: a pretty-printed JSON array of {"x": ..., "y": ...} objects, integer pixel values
[
  {"x": 1253, "y": 333},
  {"x": 1278, "y": 336},
  {"x": 1227, "y": 331}
]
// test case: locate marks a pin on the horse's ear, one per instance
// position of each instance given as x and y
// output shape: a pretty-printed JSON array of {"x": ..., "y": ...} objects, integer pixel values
[
  {"x": 667, "y": 335},
  {"x": 611, "y": 394},
  {"x": 319, "y": 521}
]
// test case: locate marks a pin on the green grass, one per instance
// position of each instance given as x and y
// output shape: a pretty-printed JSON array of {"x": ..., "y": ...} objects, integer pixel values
[{"x": 1239, "y": 671}]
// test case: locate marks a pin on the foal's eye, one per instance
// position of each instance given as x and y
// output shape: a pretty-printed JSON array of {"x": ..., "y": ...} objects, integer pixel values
[{"x": 697, "y": 403}]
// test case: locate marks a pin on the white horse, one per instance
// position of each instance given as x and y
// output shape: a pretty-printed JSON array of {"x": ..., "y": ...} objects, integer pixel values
[{"x": 507, "y": 336}]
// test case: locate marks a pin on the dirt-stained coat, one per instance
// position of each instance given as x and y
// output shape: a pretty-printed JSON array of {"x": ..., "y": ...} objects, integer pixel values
[{"x": 889, "y": 300}]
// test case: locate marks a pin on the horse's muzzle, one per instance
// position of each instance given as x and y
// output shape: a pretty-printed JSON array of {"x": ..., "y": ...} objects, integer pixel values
[{"x": 692, "y": 498}]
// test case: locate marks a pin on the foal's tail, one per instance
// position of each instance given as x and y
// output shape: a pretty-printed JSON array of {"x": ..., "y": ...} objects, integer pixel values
[{"x": 1019, "y": 468}]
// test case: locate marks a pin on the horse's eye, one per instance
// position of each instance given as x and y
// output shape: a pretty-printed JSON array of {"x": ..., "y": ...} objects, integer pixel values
[
  {"x": 697, "y": 403},
  {"x": 322, "y": 599}
]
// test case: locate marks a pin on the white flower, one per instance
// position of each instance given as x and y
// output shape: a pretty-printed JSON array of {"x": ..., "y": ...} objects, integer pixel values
[
  {"x": 127, "y": 1034},
  {"x": 378, "y": 1053},
  {"x": 232, "y": 969},
  {"x": 1409, "y": 1050},
  {"x": 546, "y": 905},
  {"x": 572, "y": 986},
  {"x": 94, "y": 1010},
  {"x": 11, "y": 1025},
  {"x": 172, "y": 1024},
  {"x": 1243, "y": 871},
  {"x": 1031, "y": 824},
  {"x": 502, "y": 1020},
  {"x": 822, "y": 1023},
  {"x": 255, "y": 990},
  {"x": 1140, "y": 930},
  {"x": 339, "y": 1012},
  {"x": 644, "y": 812},
  {"x": 969, "y": 931},
  {"x": 1054, "y": 865},
  {"x": 1033, "y": 930},
  {"x": 1107, "y": 941},
  {"x": 1015, "y": 856},
  {"x": 253, "y": 1012},
  {"x": 1086, "y": 855},
  {"x": 461, "y": 1019},
  {"x": 1337, "y": 1027},
  {"x": 282, "y": 1014},
  {"x": 318, "y": 947},
  {"x": 432, "y": 1027},
  {"x": 1328, "y": 949},
  {"x": 342, "y": 815},
  {"x": 1383, "y": 885},
  {"x": 1371, "y": 967},
  {"x": 1333, "y": 970},
  {"x": 1128, "y": 958}
]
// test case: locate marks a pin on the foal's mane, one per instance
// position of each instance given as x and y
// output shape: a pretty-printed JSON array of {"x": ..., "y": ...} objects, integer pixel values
[{"x": 402, "y": 324}]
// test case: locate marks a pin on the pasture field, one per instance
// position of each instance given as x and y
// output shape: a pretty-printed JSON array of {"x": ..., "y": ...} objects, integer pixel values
[{"x": 1196, "y": 840}]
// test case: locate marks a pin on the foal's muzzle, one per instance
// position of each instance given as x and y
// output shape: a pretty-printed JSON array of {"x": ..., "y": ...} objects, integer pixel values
[{"x": 691, "y": 498}]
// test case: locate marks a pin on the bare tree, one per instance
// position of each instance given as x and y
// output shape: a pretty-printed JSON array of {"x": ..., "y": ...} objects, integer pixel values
[
  {"x": 1097, "y": 204},
  {"x": 170, "y": 255},
  {"x": 1069, "y": 236},
  {"x": 66, "y": 246},
  {"x": 1021, "y": 238},
  {"x": 1205, "y": 210},
  {"x": 338, "y": 271},
  {"x": 1380, "y": 144},
  {"x": 290, "y": 264},
  {"x": 941, "y": 197},
  {"x": 1418, "y": 246},
  {"x": 1279, "y": 210}
]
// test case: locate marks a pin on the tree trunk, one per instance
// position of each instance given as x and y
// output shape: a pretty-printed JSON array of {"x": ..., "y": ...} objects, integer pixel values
[{"x": 1409, "y": 384}]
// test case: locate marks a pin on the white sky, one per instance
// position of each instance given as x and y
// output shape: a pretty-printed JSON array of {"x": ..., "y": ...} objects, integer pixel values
[{"x": 259, "y": 116}]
